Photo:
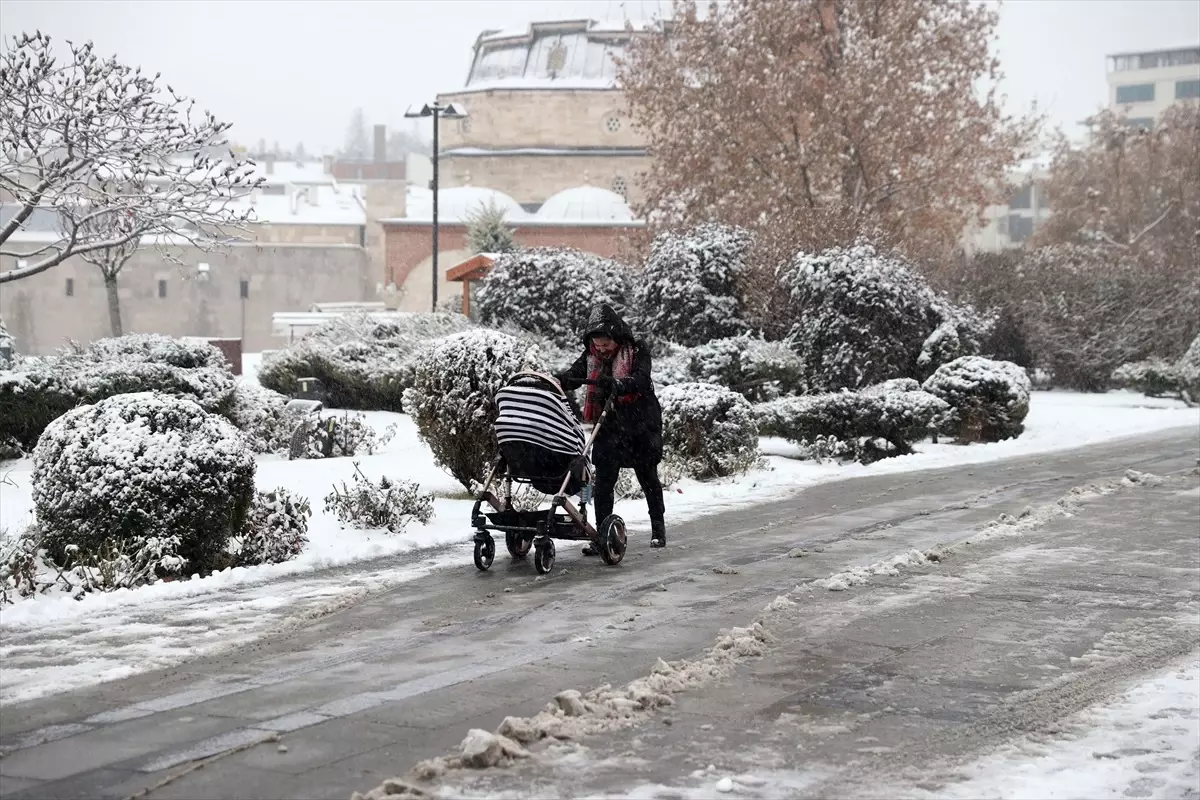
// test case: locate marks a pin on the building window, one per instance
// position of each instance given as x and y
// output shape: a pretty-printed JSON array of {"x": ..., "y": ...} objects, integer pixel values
[
  {"x": 1136, "y": 93},
  {"x": 621, "y": 186},
  {"x": 1187, "y": 90},
  {"x": 70, "y": 287},
  {"x": 1022, "y": 199},
  {"x": 1002, "y": 225},
  {"x": 244, "y": 289},
  {"x": 1019, "y": 228},
  {"x": 1144, "y": 123},
  {"x": 162, "y": 289}
]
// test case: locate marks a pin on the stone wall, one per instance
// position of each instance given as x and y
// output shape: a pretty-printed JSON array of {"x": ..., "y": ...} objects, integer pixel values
[
  {"x": 278, "y": 277},
  {"x": 506, "y": 118},
  {"x": 532, "y": 179}
]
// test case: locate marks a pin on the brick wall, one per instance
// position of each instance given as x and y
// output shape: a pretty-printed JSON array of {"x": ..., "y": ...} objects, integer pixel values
[
  {"x": 410, "y": 253},
  {"x": 41, "y": 317}
]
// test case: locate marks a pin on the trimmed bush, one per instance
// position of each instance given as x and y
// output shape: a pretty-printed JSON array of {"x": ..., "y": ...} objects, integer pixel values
[
  {"x": 338, "y": 436},
  {"x": 275, "y": 530},
  {"x": 989, "y": 399},
  {"x": 259, "y": 414},
  {"x": 550, "y": 291},
  {"x": 1188, "y": 369},
  {"x": 756, "y": 369},
  {"x": 850, "y": 424},
  {"x": 862, "y": 317},
  {"x": 390, "y": 504},
  {"x": 708, "y": 429},
  {"x": 1152, "y": 377},
  {"x": 209, "y": 387},
  {"x": 451, "y": 400},
  {"x": 146, "y": 475},
  {"x": 29, "y": 401},
  {"x": 361, "y": 359},
  {"x": 155, "y": 348},
  {"x": 689, "y": 290}
]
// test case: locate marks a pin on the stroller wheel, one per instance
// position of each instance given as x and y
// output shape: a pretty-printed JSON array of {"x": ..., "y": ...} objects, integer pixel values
[
  {"x": 485, "y": 552},
  {"x": 612, "y": 539},
  {"x": 518, "y": 545},
  {"x": 543, "y": 557}
]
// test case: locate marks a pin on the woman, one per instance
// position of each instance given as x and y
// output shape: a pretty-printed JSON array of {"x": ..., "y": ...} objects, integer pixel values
[{"x": 631, "y": 436}]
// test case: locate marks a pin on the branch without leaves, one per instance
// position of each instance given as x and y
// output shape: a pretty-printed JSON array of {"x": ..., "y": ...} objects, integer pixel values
[{"x": 94, "y": 156}]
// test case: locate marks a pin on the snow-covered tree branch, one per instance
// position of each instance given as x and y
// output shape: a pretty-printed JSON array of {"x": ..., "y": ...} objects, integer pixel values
[{"x": 91, "y": 140}]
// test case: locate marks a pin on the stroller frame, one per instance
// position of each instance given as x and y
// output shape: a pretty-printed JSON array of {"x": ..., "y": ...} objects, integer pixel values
[{"x": 538, "y": 529}]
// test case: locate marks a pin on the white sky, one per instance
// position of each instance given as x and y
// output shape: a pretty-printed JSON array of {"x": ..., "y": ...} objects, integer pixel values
[{"x": 294, "y": 70}]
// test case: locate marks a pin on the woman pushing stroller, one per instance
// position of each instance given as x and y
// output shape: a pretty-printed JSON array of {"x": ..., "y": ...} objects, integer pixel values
[{"x": 631, "y": 437}]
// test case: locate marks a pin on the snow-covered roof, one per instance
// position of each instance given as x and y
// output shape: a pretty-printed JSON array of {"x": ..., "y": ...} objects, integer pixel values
[
  {"x": 306, "y": 172},
  {"x": 585, "y": 204},
  {"x": 460, "y": 204},
  {"x": 310, "y": 205},
  {"x": 567, "y": 54}
]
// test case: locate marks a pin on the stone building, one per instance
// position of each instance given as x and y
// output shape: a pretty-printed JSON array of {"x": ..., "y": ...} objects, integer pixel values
[
  {"x": 312, "y": 241},
  {"x": 544, "y": 112},
  {"x": 588, "y": 218}
]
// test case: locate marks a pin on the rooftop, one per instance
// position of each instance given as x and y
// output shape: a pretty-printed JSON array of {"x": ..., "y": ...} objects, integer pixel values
[
  {"x": 567, "y": 54},
  {"x": 581, "y": 205}
]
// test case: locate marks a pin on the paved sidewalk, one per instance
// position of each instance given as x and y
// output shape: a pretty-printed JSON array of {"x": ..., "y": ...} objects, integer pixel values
[{"x": 363, "y": 694}]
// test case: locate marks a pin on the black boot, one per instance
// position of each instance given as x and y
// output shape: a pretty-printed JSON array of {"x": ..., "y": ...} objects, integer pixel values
[{"x": 658, "y": 533}]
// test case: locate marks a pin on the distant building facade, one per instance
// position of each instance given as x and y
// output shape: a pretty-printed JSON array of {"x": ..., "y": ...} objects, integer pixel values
[
  {"x": 1143, "y": 85},
  {"x": 545, "y": 114}
]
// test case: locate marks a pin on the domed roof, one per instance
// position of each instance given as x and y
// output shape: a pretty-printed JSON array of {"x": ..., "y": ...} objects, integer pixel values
[
  {"x": 585, "y": 204},
  {"x": 461, "y": 203}
]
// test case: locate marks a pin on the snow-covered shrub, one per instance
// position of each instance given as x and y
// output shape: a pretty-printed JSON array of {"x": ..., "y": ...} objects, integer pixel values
[
  {"x": 123, "y": 563},
  {"x": 861, "y": 317},
  {"x": 551, "y": 291},
  {"x": 21, "y": 565},
  {"x": 209, "y": 387},
  {"x": 894, "y": 385},
  {"x": 708, "y": 429},
  {"x": 258, "y": 414},
  {"x": 30, "y": 400},
  {"x": 1188, "y": 369},
  {"x": 989, "y": 399},
  {"x": 10, "y": 449},
  {"x": 1153, "y": 377},
  {"x": 689, "y": 291},
  {"x": 148, "y": 477},
  {"x": 451, "y": 399},
  {"x": 389, "y": 504},
  {"x": 960, "y": 334},
  {"x": 338, "y": 436},
  {"x": 275, "y": 530},
  {"x": 8, "y": 351},
  {"x": 671, "y": 364},
  {"x": 850, "y": 424},
  {"x": 670, "y": 472},
  {"x": 155, "y": 348},
  {"x": 754, "y": 368},
  {"x": 361, "y": 359},
  {"x": 488, "y": 231}
]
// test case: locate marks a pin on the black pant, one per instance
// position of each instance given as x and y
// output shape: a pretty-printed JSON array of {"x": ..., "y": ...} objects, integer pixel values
[{"x": 607, "y": 473}]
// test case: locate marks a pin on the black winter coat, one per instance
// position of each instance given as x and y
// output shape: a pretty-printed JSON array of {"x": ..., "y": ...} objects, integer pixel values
[{"x": 632, "y": 433}]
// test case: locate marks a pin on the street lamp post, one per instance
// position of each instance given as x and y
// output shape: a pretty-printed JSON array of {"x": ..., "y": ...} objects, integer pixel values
[{"x": 437, "y": 111}]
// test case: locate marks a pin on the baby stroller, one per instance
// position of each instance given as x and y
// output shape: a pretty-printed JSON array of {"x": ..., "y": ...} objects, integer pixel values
[{"x": 542, "y": 445}]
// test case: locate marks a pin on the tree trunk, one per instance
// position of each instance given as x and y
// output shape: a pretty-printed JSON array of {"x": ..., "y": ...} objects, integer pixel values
[{"x": 114, "y": 304}]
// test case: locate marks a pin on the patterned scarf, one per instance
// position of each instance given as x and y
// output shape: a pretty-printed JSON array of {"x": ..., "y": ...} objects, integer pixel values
[{"x": 622, "y": 367}]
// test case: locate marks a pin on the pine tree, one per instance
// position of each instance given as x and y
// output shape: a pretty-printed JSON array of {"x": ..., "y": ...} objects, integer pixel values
[{"x": 487, "y": 231}]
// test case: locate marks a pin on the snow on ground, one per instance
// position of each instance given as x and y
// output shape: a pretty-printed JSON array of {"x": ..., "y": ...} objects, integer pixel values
[
  {"x": 52, "y": 644},
  {"x": 1145, "y": 743}
]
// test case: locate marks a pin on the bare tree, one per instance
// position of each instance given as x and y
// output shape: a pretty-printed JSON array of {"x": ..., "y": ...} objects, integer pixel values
[
  {"x": 111, "y": 260},
  {"x": 358, "y": 140},
  {"x": 1130, "y": 188},
  {"x": 87, "y": 138},
  {"x": 819, "y": 121}
]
